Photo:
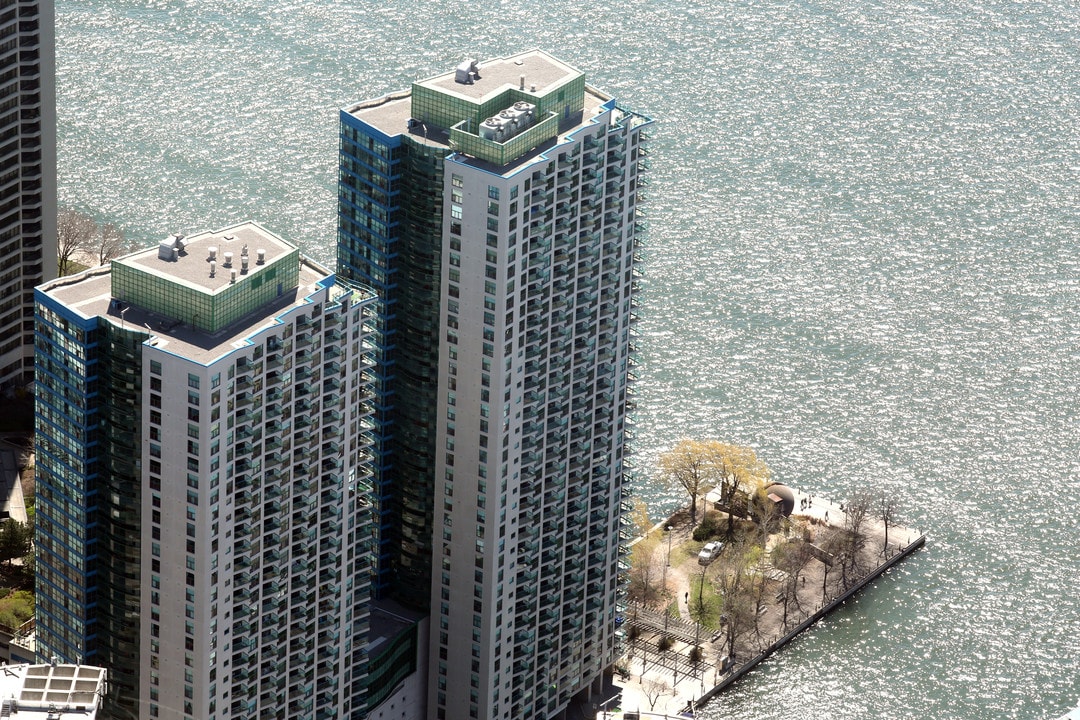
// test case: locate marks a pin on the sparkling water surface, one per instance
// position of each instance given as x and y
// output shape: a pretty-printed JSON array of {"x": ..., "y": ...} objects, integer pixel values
[{"x": 863, "y": 261}]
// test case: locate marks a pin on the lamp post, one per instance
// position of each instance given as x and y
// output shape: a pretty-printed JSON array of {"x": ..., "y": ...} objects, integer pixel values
[{"x": 668, "y": 529}]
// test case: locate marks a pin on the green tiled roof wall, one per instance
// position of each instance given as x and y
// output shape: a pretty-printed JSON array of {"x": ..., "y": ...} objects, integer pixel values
[
  {"x": 507, "y": 151},
  {"x": 431, "y": 105},
  {"x": 206, "y": 310}
]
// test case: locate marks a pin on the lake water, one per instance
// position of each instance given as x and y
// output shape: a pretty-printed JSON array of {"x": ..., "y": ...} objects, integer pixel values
[{"x": 863, "y": 261}]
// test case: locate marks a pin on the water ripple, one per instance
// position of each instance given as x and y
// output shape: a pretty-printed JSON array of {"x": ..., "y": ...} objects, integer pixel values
[{"x": 863, "y": 261}]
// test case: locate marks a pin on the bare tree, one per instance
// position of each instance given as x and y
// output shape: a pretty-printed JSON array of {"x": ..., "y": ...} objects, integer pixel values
[
  {"x": 833, "y": 544},
  {"x": 111, "y": 243},
  {"x": 856, "y": 513},
  {"x": 737, "y": 602},
  {"x": 74, "y": 233},
  {"x": 698, "y": 608},
  {"x": 640, "y": 517},
  {"x": 643, "y": 570},
  {"x": 791, "y": 557},
  {"x": 887, "y": 507},
  {"x": 765, "y": 512},
  {"x": 653, "y": 690}
]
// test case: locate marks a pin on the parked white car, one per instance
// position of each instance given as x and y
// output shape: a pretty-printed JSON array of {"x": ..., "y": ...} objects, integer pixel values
[{"x": 709, "y": 552}]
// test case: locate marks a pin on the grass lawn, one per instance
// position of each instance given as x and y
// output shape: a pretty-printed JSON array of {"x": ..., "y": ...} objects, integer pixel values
[{"x": 711, "y": 602}]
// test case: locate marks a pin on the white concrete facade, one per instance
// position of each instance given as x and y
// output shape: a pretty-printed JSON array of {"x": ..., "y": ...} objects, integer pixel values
[
  {"x": 262, "y": 539},
  {"x": 538, "y": 278}
]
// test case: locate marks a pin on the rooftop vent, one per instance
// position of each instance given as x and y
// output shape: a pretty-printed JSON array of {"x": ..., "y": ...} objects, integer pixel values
[
  {"x": 509, "y": 122},
  {"x": 228, "y": 259},
  {"x": 261, "y": 254},
  {"x": 170, "y": 247},
  {"x": 213, "y": 252},
  {"x": 467, "y": 72}
]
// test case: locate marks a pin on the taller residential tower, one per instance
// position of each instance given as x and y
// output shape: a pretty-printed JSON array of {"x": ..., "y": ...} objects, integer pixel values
[{"x": 495, "y": 210}]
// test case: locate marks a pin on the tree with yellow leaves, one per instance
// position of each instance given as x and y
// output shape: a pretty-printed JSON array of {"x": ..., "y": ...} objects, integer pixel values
[{"x": 699, "y": 465}]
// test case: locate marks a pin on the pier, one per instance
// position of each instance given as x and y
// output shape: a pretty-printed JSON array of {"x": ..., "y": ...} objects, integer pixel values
[{"x": 675, "y": 664}]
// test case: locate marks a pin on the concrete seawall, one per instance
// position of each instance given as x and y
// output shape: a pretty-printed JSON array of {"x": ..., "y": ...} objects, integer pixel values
[{"x": 746, "y": 667}]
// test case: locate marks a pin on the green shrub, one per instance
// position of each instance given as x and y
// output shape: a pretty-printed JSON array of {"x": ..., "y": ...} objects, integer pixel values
[
  {"x": 710, "y": 526},
  {"x": 16, "y": 608},
  {"x": 664, "y": 643}
]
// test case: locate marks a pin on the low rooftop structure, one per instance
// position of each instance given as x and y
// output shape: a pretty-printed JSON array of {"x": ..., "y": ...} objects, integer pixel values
[
  {"x": 51, "y": 692},
  {"x": 202, "y": 295}
]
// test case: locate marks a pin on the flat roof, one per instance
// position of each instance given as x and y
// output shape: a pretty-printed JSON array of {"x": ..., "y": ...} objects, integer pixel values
[
  {"x": 90, "y": 293},
  {"x": 91, "y": 297},
  {"x": 192, "y": 264},
  {"x": 541, "y": 71},
  {"x": 391, "y": 114},
  {"x": 53, "y": 691},
  {"x": 388, "y": 619}
]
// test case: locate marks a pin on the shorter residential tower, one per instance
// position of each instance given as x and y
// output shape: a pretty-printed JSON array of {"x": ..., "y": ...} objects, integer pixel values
[{"x": 202, "y": 475}]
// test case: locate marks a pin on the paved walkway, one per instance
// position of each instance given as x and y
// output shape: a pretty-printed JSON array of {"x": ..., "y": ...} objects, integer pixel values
[{"x": 666, "y": 684}]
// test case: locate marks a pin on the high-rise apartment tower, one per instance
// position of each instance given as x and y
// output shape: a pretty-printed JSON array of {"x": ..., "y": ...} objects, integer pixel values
[
  {"x": 27, "y": 177},
  {"x": 495, "y": 211},
  {"x": 203, "y": 462}
]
